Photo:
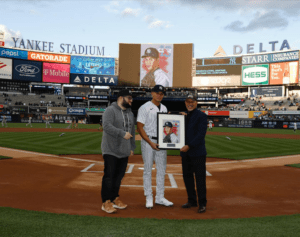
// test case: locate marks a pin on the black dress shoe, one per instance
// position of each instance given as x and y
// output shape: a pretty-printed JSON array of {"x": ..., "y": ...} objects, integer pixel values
[
  {"x": 202, "y": 209},
  {"x": 188, "y": 205}
]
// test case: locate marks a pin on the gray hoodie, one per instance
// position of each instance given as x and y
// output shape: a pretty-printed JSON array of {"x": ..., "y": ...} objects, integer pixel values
[{"x": 116, "y": 122}]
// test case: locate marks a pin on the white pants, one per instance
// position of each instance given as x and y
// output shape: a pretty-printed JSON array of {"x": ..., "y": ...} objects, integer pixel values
[
  {"x": 47, "y": 122},
  {"x": 160, "y": 157},
  {"x": 4, "y": 122}
]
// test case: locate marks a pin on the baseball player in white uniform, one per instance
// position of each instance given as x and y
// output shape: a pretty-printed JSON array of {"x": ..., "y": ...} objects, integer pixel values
[
  {"x": 210, "y": 124},
  {"x": 4, "y": 124},
  {"x": 29, "y": 122},
  {"x": 295, "y": 127},
  {"x": 147, "y": 127},
  {"x": 170, "y": 137},
  {"x": 47, "y": 121}
]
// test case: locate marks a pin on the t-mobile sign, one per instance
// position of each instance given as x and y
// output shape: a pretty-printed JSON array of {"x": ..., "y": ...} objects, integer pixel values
[{"x": 58, "y": 73}]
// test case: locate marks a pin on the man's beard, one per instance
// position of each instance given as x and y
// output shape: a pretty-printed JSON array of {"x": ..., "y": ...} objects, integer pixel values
[{"x": 125, "y": 104}]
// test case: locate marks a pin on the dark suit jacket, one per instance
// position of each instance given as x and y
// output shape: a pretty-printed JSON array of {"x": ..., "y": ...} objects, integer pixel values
[{"x": 195, "y": 130}]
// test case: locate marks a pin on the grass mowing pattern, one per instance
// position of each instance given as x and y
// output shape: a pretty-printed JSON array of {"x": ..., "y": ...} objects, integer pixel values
[
  {"x": 53, "y": 125},
  {"x": 249, "y": 147},
  {"x": 51, "y": 143},
  {"x": 15, "y": 222},
  {"x": 294, "y": 165},
  {"x": 90, "y": 143},
  {"x": 256, "y": 130}
]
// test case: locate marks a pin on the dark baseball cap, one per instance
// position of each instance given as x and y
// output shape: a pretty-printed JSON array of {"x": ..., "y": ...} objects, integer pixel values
[
  {"x": 191, "y": 96},
  {"x": 151, "y": 52},
  {"x": 168, "y": 124},
  {"x": 124, "y": 93},
  {"x": 159, "y": 88}
]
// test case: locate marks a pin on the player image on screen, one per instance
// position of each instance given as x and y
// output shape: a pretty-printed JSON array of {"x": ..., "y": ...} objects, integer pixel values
[
  {"x": 170, "y": 137},
  {"x": 155, "y": 75}
]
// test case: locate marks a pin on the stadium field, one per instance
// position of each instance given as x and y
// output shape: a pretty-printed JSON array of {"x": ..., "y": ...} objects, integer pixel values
[
  {"x": 44, "y": 182},
  {"x": 228, "y": 146}
]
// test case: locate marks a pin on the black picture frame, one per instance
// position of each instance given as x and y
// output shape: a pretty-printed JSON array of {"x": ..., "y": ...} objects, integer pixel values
[{"x": 165, "y": 139}]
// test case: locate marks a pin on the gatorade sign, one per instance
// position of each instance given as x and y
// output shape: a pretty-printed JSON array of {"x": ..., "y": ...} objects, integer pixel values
[{"x": 255, "y": 74}]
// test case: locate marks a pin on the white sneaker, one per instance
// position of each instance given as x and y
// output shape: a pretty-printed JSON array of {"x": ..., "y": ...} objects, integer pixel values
[
  {"x": 164, "y": 202},
  {"x": 149, "y": 202}
]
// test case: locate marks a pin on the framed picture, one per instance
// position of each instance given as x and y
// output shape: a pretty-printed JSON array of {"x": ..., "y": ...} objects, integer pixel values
[{"x": 170, "y": 131}]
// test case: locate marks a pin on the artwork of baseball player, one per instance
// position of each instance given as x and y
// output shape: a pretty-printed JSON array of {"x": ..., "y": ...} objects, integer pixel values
[
  {"x": 29, "y": 122},
  {"x": 170, "y": 137},
  {"x": 4, "y": 124},
  {"x": 295, "y": 127},
  {"x": 147, "y": 127},
  {"x": 155, "y": 75},
  {"x": 47, "y": 121}
]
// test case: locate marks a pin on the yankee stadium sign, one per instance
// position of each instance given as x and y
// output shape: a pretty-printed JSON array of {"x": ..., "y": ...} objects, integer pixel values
[{"x": 65, "y": 48}]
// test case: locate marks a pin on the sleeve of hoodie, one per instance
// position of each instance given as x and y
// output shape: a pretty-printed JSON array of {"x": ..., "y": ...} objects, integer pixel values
[
  {"x": 201, "y": 127},
  {"x": 132, "y": 140},
  {"x": 108, "y": 118}
]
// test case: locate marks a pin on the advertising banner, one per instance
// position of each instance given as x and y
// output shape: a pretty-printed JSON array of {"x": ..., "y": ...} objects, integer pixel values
[
  {"x": 271, "y": 91},
  {"x": 287, "y": 112},
  {"x": 75, "y": 111},
  {"x": 58, "y": 73},
  {"x": 218, "y": 70},
  {"x": 271, "y": 58},
  {"x": 218, "y": 61},
  {"x": 92, "y": 65},
  {"x": 156, "y": 65},
  {"x": 5, "y": 68},
  {"x": 57, "y": 110},
  {"x": 95, "y": 109},
  {"x": 98, "y": 97},
  {"x": 254, "y": 114},
  {"x": 99, "y": 80},
  {"x": 38, "y": 110},
  {"x": 217, "y": 113},
  {"x": 284, "y": 73},
  {"x": 239, "y": 114},
  {"x": 49, "y": 57},
  {"x": 13, "y": 53},
  {"x": 27, "y": 70},
  {"x": 216, "y": 81},
  {"x": 255, "y": 74}
]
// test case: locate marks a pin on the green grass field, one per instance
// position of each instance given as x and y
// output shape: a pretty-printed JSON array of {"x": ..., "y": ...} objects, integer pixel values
[
  {"x": 294, "y": 165},
  {"x": 90, "y": 143},
  {"x": 15, "y": 222},
  {"x": 5, "y": 157}
]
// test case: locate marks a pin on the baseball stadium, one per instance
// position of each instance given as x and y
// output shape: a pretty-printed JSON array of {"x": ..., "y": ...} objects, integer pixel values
[{"x": 51, "y": 163}]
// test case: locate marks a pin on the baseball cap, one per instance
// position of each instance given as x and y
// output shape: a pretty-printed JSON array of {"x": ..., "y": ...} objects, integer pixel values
[
  {"x": 191, "y": 96},
  {"x": 151, "y": 52},
  {"x": 159, "y": 88},
  {"x": 124, "y": 93},
  {"x": 168, "y": 124}
]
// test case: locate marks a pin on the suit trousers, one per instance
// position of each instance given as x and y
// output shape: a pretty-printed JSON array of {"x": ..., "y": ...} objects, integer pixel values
[
  {"x": 195, "y": 166},
  {"x": 114, "y": 171}
]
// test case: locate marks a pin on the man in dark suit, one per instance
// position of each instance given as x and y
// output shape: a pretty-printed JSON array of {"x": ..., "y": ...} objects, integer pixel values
[{"x": 194, "y": 155}]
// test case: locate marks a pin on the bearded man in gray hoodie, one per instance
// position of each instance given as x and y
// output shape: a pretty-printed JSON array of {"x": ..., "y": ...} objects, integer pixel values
[{"x": 118, "y": 143}]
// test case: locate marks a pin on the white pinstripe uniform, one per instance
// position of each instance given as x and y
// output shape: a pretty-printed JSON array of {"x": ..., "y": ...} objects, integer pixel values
[
  {"x": 147, "y": 115},
  {"x": 4, "y": 124},
  {"x": 47, "y": 122}
]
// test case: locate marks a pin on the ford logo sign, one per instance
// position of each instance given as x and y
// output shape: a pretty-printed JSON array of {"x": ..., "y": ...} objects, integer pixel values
[{"x": 27, "y": 68}]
